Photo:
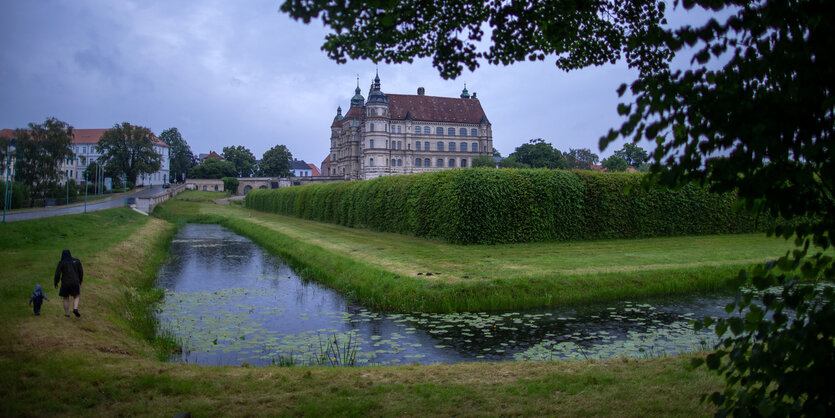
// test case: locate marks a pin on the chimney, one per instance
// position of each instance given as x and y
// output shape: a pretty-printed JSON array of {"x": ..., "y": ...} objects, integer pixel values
[
  {"x": 421, "y": 91},
  {"x": 474, "y": 95}
]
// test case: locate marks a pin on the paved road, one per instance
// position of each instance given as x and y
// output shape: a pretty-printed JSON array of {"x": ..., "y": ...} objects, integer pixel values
[{"x": 115, "y": 202}]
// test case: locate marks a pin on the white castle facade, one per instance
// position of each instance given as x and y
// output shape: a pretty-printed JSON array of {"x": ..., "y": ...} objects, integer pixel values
[{"x": 402, "y": 134}]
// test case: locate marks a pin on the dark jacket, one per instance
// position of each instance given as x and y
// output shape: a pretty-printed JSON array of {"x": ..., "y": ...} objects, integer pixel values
[{"x": 69, "y": 271}]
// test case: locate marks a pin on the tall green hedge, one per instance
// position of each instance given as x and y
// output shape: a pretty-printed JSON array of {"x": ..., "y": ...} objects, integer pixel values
[{"x": 486, "y": 206}]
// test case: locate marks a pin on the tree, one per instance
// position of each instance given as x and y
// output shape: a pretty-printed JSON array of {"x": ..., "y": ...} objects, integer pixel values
[
  {"x": 577, "y": 33},
  {"x": 632, "y": 154},
  {"x": 41, "y": 149},
  {"x": 496, "y": 153},
  {"x": 276, "y": 162},
  {"x": 212, "y": 168},
  {"x": 129, "y": 149},
  {"x": 180, "y": 158},
  {"x": 538, "y": 154},
  {"x": 615, "y": 163},
  {"x": 512, "y": 161},
  {"x": 484, "y": 161},
  {"x": 241, "y": 158},
  {"x": 230, "y": 184},
  {"x": 753, "y": 115},
  {"x": 581, "y": 158}
]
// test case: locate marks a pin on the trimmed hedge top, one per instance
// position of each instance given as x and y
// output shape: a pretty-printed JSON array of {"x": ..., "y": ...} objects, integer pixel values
[{"x": 488, "y": 206}]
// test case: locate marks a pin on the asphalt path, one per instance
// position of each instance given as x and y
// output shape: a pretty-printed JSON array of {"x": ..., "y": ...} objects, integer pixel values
[{"x": 110, "y": 203}]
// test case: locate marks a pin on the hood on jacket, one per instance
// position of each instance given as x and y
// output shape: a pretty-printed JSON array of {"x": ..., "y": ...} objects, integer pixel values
[
  {"x": 65, "y": 255},
  {"x": 38, "y": 289}
]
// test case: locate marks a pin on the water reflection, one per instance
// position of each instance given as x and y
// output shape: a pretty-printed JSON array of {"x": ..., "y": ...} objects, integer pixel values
[{"x": 229, "y": 303}]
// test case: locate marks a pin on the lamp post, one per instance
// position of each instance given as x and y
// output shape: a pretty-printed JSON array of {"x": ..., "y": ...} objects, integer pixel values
[
  {"x": 10, "y": 173},
  {"x": 85, "y": 191}
]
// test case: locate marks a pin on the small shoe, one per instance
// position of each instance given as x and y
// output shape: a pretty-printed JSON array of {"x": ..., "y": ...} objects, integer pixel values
[
  {"x": 37, "y": 313},
  {"x": 75, "y": 312},
  {"x": 67, "y": 315}
]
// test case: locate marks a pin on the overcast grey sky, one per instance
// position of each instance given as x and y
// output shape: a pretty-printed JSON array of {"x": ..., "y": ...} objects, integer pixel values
[{"x": 241, "y": 73}]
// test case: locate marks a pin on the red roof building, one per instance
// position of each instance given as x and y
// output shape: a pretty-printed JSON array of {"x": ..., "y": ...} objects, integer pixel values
[{"x": 390, "y": 134}]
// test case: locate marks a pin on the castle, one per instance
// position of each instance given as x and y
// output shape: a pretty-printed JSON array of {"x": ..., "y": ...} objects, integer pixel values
[{"x": 392, "y": 134}]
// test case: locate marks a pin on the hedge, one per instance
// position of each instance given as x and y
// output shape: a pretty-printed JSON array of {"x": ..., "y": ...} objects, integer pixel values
[{"x": 487, "y": 206}]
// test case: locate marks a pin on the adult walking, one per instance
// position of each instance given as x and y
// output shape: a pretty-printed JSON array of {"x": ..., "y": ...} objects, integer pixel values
[{"x": 70, "y": 274}]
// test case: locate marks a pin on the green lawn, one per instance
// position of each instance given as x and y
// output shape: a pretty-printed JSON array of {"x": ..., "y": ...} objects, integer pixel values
[
  {"x": 104, "y": 365},
  {"x": 404, "y": 273}
]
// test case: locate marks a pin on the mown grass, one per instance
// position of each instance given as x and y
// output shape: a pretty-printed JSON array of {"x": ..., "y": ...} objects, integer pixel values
[
  {"x": 200, "y": 196},
  {"x": 403, "y": 273},
  {"x": 100, "y": 365}
]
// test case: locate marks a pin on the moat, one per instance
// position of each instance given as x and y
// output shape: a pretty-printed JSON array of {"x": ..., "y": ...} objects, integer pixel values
[{"x": 230, "y": 303}]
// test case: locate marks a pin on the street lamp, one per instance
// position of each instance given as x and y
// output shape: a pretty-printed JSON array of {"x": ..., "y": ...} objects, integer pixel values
[{"x": 10, "y": 173}]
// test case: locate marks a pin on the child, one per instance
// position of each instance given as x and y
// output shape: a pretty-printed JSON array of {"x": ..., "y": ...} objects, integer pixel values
[{"x": 38, "y": 298}]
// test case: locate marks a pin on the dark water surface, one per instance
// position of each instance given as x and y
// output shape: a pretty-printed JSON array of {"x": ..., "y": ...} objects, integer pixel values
[{"x": 230, "y": 302}]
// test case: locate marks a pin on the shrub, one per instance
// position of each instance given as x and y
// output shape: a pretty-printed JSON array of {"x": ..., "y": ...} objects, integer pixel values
[
  {"x": 230, "y": 184},
  {"x": 485, "y": 206}
]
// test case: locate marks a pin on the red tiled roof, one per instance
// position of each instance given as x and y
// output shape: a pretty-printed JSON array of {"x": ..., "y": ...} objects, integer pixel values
[
  {"x": 314, "y": 172},
  {"x": 92, "y": 136},
  {"x": 214, "y": 155},
  {"x": 354, "y": 113},
  {"x": 435, "y": 109},
  {"x": 86, "y": 136}
]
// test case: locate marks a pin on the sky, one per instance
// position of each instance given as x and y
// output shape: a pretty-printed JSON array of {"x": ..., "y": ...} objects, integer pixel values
[{"x": 241, "y": 73}]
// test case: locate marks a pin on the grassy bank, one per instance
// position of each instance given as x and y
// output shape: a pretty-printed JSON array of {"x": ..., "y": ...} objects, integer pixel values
[
  {"x": 403, "y": 273},
  {"x": 100, "y": 365}
]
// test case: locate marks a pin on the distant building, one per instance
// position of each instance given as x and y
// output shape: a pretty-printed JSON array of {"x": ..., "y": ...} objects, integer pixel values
[
  {"x": 84, "y": 145},
  {"x": 300, "y": 168},
  {"x": 402, "y": 133},
  {"x": 326, "y": 166},
  {"x": 211, "y": 154},
  {"x": 314, "y": 171}
]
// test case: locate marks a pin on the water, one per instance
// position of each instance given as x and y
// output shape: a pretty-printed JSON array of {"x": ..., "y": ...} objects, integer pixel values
[{"x": 231, "y": 303}]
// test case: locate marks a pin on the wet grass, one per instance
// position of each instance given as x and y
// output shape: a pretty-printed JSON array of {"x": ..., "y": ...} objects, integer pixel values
[
  {"x": 200, "y": 196},
  {"x": 403, "y": 273},
  {"x": 100, "y": 365}
]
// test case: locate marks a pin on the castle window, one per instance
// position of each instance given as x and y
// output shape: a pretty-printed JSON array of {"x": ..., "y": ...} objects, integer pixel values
[
  {"x": 462, "y": 132},
  {"x": 398, "y": 128},
  {"x": 393, "y": 145},
  {"x": 474, "y": 147},
  {"x": 452, "y": 146},
  {"x": 440, "y": 162},
  {"x": 372, "y": 127},
  {"x": 417, "y": 145},
  {"x": 452, "y": 162},
  {"x": 426, "y": 162},
  {"x": 426, "y": 130},
  {"x": 371, "y": 111},
  {"x": 440, "y": 146},
  {"x": 463, "y": 163},
  {"x": 426, "y": 145},
  {"x": 463, "y": 147},
  {"x": 399, "y": 162},
  {"x": 439, "y": 131},
  {"x": 417, "y": 130},
  {"x": 450, "y": 131},
  {"x": 417, "y": 162},
  {"x": 474, "y": 132},
  {"x": 371, "y": 143}
]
